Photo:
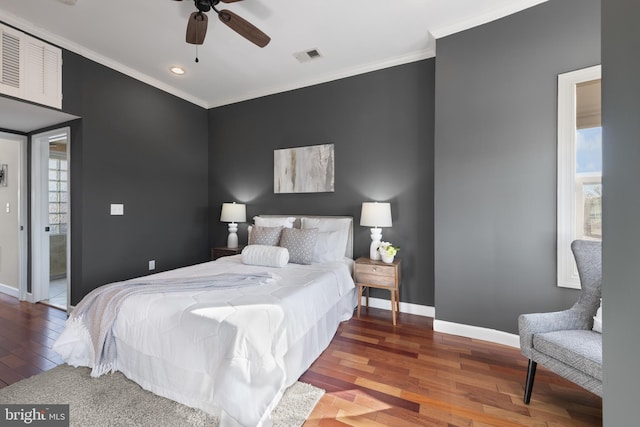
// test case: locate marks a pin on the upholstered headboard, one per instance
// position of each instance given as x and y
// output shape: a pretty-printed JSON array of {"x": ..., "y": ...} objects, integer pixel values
[{"x": 298, "y": 224}]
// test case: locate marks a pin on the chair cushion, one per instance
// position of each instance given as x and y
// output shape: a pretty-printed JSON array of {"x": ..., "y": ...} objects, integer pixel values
[{"x": 580, "y": 349}]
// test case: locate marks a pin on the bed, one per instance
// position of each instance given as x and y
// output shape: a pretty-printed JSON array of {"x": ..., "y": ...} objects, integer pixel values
[{"x": 230, "y": 350}]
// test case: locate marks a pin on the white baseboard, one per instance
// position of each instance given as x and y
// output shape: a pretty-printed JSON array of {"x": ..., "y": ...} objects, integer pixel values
[
  {"x": 405, "y": 307},
  {"x": 8, "y": 290},
  {"x": 477, "y": 332}
]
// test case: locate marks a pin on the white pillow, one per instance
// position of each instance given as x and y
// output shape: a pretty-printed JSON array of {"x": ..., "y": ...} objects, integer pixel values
[
  {"x": 268, "y": 256},
  {"x": 597, "y": 319},
  {"x": 341, "y": 225},
  {"x": 327, "y": 248},
  {"x": 286, "y": 222}
]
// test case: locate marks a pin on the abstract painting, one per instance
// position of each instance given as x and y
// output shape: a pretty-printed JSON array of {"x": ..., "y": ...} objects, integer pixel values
[{"x": 303, "y": 169}]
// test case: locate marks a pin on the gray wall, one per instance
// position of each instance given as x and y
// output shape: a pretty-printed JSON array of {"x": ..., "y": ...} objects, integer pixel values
[
  {"x": 621, "y": 175},
  {"x": 381, "y": 125},
  {"x": 495, "y": 161},
  {"x": 142, "y": 147},
  {"x": 10, "y": 154}
]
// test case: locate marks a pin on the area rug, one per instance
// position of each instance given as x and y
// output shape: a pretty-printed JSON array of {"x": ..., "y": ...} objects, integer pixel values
[{"x": 114, "y": 400}]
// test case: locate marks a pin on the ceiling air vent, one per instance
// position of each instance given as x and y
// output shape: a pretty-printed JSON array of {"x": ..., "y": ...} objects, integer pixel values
[{"x": 307, "y": 55}]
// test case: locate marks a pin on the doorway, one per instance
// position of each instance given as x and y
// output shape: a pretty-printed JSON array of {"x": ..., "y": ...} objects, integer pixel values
[
  {"x": 51, "y": 218},
  {"x": 13, "y": 208}
]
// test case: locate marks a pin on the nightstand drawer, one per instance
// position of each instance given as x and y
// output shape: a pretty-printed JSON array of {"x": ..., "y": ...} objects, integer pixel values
[{"x": 375, "y": 274}]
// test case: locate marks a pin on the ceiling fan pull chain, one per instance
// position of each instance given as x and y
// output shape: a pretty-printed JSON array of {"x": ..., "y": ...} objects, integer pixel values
[{"x": 197, "y": 60}]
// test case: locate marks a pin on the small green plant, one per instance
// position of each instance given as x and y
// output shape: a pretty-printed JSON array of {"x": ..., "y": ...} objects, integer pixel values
[{"x": 387, "y": 249}]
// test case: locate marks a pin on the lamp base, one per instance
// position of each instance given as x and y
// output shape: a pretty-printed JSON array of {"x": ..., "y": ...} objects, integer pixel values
[
  {"x": 376, "y": 237},
  {"x": 232, "y": 240}
]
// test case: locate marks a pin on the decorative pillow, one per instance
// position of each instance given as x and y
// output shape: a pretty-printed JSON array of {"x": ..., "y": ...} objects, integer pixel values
[
  {"x": 265, "y": 235},
  {"x": 597, "y": 319},
  {"x": 341, "y": 225},
  {"x": 268, "y": 256},
  {"x": 327, "y": 247},
  {"x": 300, "y": 244},
  {"x": 274, "y": 222}
]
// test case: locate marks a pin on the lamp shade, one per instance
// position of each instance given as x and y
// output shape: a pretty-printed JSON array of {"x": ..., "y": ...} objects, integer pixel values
[
  {"x": 375, "y": 214},
  {"x": 233, "y": 212}
]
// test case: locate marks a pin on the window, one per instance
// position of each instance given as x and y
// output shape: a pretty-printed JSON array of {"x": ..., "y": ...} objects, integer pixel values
[
  {"x": 58, "y": 195},
  {"x": 579, "y": 166}
]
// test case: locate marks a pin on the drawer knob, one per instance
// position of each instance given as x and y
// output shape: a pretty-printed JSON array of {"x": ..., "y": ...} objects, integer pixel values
[{"x": 375, "y": 269}]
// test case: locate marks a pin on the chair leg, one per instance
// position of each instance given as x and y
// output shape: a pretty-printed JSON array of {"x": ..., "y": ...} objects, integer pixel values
[{"x": 531, "y": 373}]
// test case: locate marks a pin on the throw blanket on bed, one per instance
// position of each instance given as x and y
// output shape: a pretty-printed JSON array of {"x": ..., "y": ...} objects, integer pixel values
[{"x": 97, "y": 311}]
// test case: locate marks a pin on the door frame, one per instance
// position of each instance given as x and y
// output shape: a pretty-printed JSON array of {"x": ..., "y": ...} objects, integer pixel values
[
  {"x": 39, "y": 214},
  {"x": 21, "y": 292}
]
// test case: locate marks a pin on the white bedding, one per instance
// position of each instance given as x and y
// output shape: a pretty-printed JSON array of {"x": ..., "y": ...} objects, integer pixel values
[{"x": 229, "y": 352}]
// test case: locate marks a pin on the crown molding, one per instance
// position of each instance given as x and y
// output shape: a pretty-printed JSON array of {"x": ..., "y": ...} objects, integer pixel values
[
  {"x": 511, "y": 8},
  {"x": 325, "y": 78}
]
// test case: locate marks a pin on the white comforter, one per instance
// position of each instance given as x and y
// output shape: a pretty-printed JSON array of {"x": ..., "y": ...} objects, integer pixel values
[{"x": 229, "y": 352}]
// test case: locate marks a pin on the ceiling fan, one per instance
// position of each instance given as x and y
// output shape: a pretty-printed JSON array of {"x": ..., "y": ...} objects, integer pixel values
[{"x": 197, "y": 25}]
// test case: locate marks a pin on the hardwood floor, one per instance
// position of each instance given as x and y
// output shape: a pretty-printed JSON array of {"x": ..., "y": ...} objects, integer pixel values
[
  {"x": 27, "y": 332},
  {"x": 375, "y": 374}
]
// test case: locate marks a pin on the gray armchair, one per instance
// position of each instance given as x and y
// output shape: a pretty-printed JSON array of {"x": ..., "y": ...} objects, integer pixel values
[{"x": 563, "y": 341}]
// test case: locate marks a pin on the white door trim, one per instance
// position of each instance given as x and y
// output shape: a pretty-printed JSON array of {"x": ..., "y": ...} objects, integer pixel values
[{"x": 39, "y": 214}]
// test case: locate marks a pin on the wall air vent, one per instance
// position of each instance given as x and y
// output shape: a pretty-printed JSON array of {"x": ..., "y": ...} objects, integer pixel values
[
  {"x": 307, "y": 55},
  {"x": 10, "y": 60}
]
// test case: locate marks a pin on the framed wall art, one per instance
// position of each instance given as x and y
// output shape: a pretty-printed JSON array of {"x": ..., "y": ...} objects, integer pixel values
[{"x": 304, "y": 169}]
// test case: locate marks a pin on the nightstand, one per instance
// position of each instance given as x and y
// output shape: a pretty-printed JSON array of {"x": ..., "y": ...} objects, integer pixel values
[
  {"x": 220, "y": 252},
  {"x": 368, "y": 273}
]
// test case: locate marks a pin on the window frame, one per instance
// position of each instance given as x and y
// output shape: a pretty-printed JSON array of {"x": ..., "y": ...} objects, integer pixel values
[{"x": 567, "y": 274}]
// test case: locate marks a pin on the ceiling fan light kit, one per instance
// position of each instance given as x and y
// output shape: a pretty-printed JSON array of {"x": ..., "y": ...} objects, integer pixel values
[{"x": 198, "y": 21}]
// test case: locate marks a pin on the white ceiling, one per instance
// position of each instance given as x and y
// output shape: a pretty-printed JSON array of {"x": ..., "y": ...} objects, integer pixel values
[{"x": 144, "y": 38}]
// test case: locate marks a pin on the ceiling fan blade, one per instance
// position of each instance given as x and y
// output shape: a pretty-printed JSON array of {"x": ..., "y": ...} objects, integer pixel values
[
  {"x": 244, "y": 28},
  {"x": 229, "y": 1},
  {"x": 197, "y": 28}
]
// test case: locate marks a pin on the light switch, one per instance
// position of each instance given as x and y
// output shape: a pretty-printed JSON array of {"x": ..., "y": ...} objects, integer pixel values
[
  {"x": 8, "y": 207},
  {"x": 117, "y": 209}
]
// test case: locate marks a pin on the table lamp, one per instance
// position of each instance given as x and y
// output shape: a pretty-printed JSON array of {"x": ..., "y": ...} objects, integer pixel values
[
  {"x": 375, "y": 215},
  {"x": 232, "y": 213}
]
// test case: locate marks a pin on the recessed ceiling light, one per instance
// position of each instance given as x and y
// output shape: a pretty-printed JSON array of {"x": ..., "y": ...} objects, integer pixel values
[{"x": 177, "y": 70}]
